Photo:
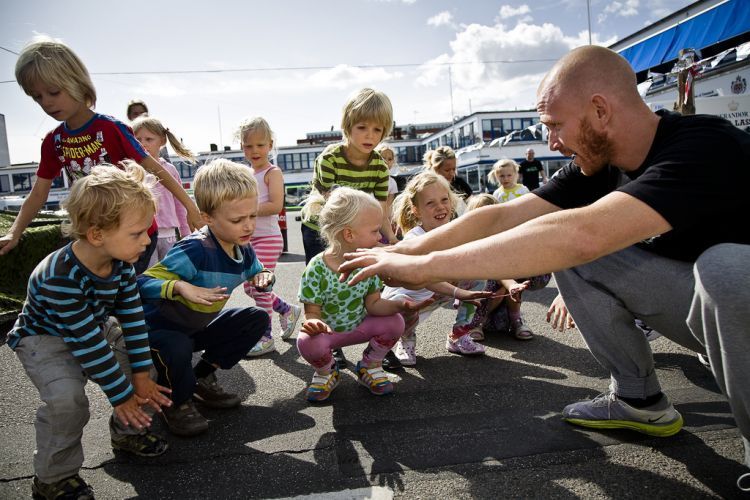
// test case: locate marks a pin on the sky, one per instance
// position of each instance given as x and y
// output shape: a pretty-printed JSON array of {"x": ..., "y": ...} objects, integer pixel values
[{"x": 296, "y": 62}]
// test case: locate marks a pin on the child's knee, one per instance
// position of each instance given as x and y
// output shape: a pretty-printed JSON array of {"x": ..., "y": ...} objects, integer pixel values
[{"x": 66, "y": 402}]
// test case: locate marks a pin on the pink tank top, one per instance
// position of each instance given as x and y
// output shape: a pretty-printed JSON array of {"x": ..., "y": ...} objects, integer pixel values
[{"x": 267, "y": 225}]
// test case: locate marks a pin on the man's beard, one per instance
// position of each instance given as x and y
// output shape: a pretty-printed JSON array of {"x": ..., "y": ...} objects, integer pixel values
[{"x": 595, "y": 149}]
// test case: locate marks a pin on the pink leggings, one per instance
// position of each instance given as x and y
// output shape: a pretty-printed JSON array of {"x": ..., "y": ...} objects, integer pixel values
[{"x": 380, "y": 332}]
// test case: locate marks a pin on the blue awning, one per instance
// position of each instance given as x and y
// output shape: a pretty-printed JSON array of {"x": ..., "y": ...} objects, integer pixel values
[{"x": 712, "y": 26}]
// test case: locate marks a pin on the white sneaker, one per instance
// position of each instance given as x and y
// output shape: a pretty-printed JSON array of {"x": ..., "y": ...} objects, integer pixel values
[
  {"x": 288, "y": 321},
  {"x": 264, "y": 346},
  {"x": 406, "y": 351}
]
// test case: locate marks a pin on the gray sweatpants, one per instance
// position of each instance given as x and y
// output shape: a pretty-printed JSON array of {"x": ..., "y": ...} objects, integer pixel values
[
  {"x": 64, "y": 412},
  {"x": 703, "y": 306}
]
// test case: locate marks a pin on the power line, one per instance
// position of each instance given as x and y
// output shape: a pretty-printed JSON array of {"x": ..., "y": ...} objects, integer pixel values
[
  {"x": 8, "y": 50},
  {"x": 308, "y": 68}
]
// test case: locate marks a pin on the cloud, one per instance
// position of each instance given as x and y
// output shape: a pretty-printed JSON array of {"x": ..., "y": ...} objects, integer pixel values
[
  {"x": 500, "y": 67},
  {"x": 508, "y": 11},
  {"x": 444, "y": 18},
  {"x": 627, "y": 8},
  {"x": 290, "y": 82}
]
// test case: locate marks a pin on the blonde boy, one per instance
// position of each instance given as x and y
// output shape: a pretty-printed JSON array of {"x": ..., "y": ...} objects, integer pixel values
[
  {"x": 184, "y": 296},
  {"x": 67, "y": 332}
]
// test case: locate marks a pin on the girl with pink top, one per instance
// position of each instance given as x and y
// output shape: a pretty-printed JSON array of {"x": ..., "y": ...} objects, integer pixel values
[
  {"x": 256, "y": 139},
  {"x": 171, "y": 214}
]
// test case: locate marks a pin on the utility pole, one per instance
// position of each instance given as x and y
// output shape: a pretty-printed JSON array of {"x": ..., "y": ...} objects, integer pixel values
[
  {"x": 221, "y": 136},
  {"x": 453, "y": 116}
]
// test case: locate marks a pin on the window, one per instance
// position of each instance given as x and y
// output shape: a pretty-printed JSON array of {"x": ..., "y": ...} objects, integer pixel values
[
  {"x": 4, "y": 183},
  {"x": 23, "y": 182},
  {"x": 59, "y": 181}
]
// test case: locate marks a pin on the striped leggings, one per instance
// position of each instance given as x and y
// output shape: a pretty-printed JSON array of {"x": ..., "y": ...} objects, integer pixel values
[{"x": 268, "y": 250}]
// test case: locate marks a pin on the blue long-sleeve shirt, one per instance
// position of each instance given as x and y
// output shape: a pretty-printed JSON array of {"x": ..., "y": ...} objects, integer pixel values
[
  {"x": 199, "y": 260},
  {"x": 67, "y": 300}
]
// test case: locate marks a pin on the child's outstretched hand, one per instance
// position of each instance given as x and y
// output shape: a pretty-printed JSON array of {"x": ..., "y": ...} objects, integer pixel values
[
  {"x": 200, "y": 295},
  {"x": 315, "y": 326},
  {"x": 131, "y": 413},
  {"x": 263, "y": 281},
  {"x": 149, "y": 392},
  {"x": 516, "y": 290},
  {"x": 409, "y": 305},
  {"x": 472, "y": 297}
]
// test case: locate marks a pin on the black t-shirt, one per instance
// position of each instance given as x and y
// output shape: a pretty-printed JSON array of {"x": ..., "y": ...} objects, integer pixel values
[
  {"x": 529, "y": 171},
  {"x": 696, "y": 175}
]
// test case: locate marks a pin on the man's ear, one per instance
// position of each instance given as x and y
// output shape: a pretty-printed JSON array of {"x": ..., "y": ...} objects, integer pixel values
[
  {"x": 94, "y": 236},
  {"x": 602, "y": 108}
]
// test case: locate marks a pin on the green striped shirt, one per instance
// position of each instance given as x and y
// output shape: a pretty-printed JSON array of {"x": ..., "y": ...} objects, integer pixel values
[{"x": 332, "y": 167}]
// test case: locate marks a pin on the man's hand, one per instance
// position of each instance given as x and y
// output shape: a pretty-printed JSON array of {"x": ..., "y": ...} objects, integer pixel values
[
  {"x": 559, "y": 316},
  {"x": 263, "y": 280},
  {"x": 395, "y": 269}
]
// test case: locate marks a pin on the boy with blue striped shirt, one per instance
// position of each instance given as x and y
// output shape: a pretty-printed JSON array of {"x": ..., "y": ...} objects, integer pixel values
[
  {"x": 82, "y": 320},
  {"x": 184, "y": 297}
]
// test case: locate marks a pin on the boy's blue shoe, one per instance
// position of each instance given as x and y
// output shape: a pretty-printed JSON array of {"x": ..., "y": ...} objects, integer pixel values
[{"x": 607, "y": 411}]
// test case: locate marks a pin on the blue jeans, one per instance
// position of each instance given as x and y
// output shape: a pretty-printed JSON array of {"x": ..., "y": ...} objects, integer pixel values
[{"x": 224, "y": 341}]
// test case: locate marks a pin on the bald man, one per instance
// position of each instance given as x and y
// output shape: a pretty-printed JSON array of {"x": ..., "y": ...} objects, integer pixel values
[
  {"x": 641, "y": 224},
  {"x": 530, "y": 170}
]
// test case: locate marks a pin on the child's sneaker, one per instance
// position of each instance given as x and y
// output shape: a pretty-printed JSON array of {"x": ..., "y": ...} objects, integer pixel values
[
  {"x": 375, "y": 379},
  {"x": 185, "y": 420},
  {"x": 147, "y": 444},
  {"x": 520, "y": 331},
  {"x": 289, "y": 320},
  {"x": 264, "y": 346},
  {"x": 71, "y": 487},
  {"x": 391, "y": 363},
  {"x": 406, "y": 351},
  {"x": 464, "y": 345},
  {"x": 210, "y": 393},
  {"x": 322, "y": 386},
  {"x": 607, "y": 411},
  {"x": 477, "y": 333}
]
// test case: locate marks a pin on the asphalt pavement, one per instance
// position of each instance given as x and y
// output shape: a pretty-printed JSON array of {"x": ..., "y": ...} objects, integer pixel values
[{"x": 455, "y": 427}]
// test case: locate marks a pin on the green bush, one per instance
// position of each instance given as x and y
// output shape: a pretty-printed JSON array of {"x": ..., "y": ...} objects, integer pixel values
[{"x": 41, "y": 238}]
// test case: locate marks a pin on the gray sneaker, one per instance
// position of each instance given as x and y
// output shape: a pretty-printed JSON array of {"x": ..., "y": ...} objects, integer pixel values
[
  {"x": 185, "y": 420},
  {"x": 210, "y": 393},
  {"x": 606, "y": 411}
]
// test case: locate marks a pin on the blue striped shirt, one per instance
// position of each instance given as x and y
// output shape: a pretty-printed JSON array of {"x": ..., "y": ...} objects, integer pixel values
[
  {"x": 67, "y": 300},
  {"x": 199, "y": 260}
]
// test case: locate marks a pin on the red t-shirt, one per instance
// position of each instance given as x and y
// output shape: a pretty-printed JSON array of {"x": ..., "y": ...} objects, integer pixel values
[{"x": 103, "y": 139}]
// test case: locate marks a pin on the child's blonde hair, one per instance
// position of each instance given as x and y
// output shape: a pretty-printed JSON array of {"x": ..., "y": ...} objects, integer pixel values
[
  {"x": 100, "y": 198},
  {"x": 341, "y": 211},
  {"x": 257, "y": 124},
  {"x": 435, "y": 157},
  {"x": 405, "y": 203},
  {"x": 368, "y": 105},
  {"x": 384, "y": 146},
  {"x": 220, "y": 181},
  {"x": 481, "y": 200},
  {"x": 157, "y": 128},
  {"x": 494, "y": 175},
  {"x": 53, "y": 63}
]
